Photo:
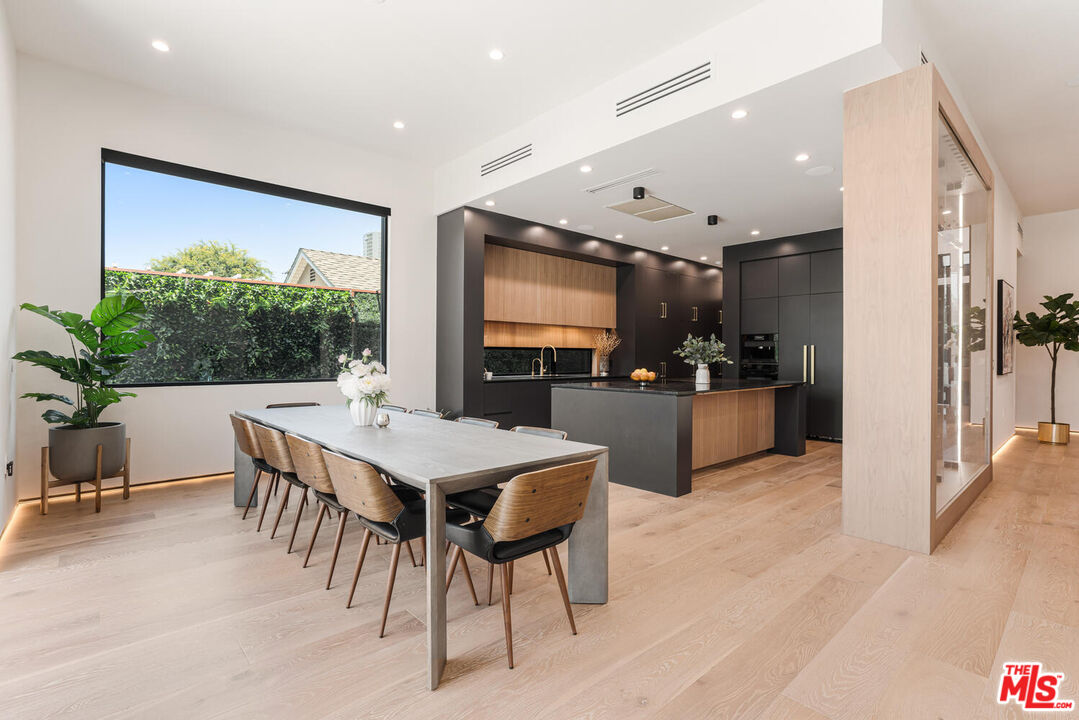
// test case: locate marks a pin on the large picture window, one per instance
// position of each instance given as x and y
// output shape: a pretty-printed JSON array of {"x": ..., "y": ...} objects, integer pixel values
[{"x": 244, "y": 281}]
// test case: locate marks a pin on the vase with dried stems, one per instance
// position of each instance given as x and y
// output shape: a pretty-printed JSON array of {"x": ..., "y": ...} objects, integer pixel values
[{"x": 604, "y": 344}]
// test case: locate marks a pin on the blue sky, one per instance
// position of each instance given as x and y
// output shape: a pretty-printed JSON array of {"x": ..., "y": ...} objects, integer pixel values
[{"x": 150, "y": 214}]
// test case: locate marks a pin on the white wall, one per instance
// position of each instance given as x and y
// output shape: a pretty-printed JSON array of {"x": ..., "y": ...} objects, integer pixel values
[
  {"x": 1049, "y": 266},
  {"x": 65, "y": 118},
  {"x": 7, "y": 267}
]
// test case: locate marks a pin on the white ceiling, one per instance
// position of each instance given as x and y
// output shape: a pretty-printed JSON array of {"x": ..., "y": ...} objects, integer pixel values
[
  {"x": 1013, "y": 62},
  {"x": 742, "y": 170},
  {"x": 350, "y": 68}
]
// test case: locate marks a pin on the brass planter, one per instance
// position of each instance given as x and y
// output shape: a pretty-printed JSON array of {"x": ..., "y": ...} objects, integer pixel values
[{"x": 1054, "y": 433}]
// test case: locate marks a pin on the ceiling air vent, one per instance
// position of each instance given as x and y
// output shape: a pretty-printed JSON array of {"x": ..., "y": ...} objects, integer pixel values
[
  {"x": 664, "y": 89},
  {"x": 520, "y": 153},
  {"x": 624, "y": 180},
  {"x": 651, "y": 208},
  {"x": 1019, "y": 227},
  {"x": 925, "y": 60}
]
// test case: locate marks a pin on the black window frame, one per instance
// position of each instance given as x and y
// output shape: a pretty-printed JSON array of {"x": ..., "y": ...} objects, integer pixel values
[{"x": 139, "y": 162}]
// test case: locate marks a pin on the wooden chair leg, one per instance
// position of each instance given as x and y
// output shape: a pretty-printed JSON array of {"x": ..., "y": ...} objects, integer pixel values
[
  {"x": 490, "y": 581},
  {"x": 314, "y": 533},
  {"x": 562, "y": 587},
  {"x": 341, "y": 518},
  {"x": 250, "y": 495},
  {"x": 127, "y": 471},
  {"x": 468, "y": 579},
  {"x": 510, "y": 571},
  {"x": 359, "y": 565},
  {"x": 546, "y": 562},
  {"x": 266, "y": 502},
  {"x": 389, "y": 587},
  {"x": 97, "y": 482},
  {"x": 296, "y": 522},
  {"x": 280, "y": 509},
  {"x": 45, "y": 481},
  {"x": 423, "y": 551},
  {"x": 506, "y": 620},
  {"x": 408, "y": 544}
]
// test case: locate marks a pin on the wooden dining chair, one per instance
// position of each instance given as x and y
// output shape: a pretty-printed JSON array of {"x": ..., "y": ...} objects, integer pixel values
[
  {"x": 395, "y": 513},
  {"x": 275, "y": 448},
  {"x": 244, "y": 431},
  {"x": 541, "y": 431},
  {"x": 482, "y": 422},
  {"x": 393, "y": 408},
  {"x": 429, "y": 413},
  {"x": 291, "y": 404},
  {"x": 535, "y": 512}
]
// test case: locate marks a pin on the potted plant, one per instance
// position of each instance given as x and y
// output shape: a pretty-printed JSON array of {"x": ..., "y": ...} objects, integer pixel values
[
  {"x": 108, "y": 339},
  {"x": 604, "y": 344},
  {"x": 1056, "y": 330},
  {"x": 701, "y": 352},
  {"x": 365, "y": 385}
]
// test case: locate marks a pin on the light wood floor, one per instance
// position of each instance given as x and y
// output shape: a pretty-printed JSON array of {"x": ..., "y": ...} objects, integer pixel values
[{"x": 742, "y": 600}]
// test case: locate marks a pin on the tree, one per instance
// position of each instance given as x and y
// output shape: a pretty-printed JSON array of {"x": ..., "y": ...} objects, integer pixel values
[
  {"x": 1058, "y": 328},
  {"x": 221, "y": 259}
]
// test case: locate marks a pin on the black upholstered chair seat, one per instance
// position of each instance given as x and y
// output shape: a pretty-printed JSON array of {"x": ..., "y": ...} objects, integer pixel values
[
  {"x": 411, "y": 522},
  {"x": 292, "y": 479},
  {"x": 477, "y": 502},
  {"x": 474, "y": 538},
  {"x": 262, "y": 465}
]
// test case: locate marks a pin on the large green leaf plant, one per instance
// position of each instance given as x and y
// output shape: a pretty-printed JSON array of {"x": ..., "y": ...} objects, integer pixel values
[
  {"x": 1056, "y": 330},
  {"x": 107, "y": 341}
]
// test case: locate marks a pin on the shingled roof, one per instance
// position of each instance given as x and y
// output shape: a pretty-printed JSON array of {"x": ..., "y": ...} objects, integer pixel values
[{"x": 353, "y": 272}]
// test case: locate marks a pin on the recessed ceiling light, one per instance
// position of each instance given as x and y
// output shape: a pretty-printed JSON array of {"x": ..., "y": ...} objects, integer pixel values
[
  {"x": 563, "y": 221},
  {"x": 946, "y": 212},
  {"x": 754, "y": 232},
  {"x": 160, "y": 45},
  {"x": 664, "y": 248},
  {"x": 586, "y": 168},
  {"x": 841, "y": 188},
  {"x": 801, "y": 157},
  {"x": 399, "y": 125},
  {"x": 496, "y": 54},
  {"x": 739, "y": 114},
  {"x": 618, "y": 236},
  {"x": 490, "y": 203},
  {"x": 704, "y": 257}
]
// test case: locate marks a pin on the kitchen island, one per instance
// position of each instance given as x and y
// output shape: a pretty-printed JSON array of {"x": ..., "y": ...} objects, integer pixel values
[{"x": 660, "y": 433}]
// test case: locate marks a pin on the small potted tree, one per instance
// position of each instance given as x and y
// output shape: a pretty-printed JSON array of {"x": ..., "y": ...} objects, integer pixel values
[
  {"x": 702, "y": 353},
  {"x": 1056, "y": 330},
  {"x": 108, "y": 338}
]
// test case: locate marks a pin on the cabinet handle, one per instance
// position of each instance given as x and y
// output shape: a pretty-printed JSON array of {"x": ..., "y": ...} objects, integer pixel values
[
  {"x": 812, "y": 364},
  {"x": 719, "y": 314},
  {"x": 663, "y": 368},
  {"x": 662, "y": 310},
  {"x": 694, "y": 313},
  {"x": 805, "y": 362}
]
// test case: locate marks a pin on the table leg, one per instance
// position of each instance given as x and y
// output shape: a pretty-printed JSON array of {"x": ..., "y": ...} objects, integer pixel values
[
  {"x": 436, "y": 585},
  {"x": 243, "y": 478},
  {"x": 588, "y": 543}
]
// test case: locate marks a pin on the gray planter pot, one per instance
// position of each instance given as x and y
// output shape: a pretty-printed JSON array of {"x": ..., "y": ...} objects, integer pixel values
[{"x": 73, "y": 451}]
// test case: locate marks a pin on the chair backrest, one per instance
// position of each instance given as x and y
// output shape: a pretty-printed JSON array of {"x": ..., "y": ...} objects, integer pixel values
[
  {"x": 429, "y": 413},
  {"x": 536, "y": 502},
  {"x": 292, "y": 404},
  {"x": 393, "y": 408},
  {"x": 274, "y": 448},
  {"x": 541, "y": 431},
  {"x": 361, "y": 489},
  {"x": 482, "y": 422},
  {"x": 310, "y": 467},
  {"x": 244, "y": 431}
]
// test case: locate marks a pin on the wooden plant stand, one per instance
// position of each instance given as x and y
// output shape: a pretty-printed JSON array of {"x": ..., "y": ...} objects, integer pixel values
[{"x": 47, "y": 483}]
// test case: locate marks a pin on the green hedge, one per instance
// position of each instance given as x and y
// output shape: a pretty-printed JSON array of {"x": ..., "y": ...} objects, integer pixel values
[{"x": 217, "y": 330}]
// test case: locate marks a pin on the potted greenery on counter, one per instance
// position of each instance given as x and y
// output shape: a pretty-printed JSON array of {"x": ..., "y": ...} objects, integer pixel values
[
  {"x": 108, "y": 339},
  {"x": 701, "y": 352},
  {"x": 1056, "y": 330}
]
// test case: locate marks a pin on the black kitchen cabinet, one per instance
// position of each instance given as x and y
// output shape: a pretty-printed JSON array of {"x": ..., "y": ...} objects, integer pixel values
[
  {"x": 760, "y": 279},
  {"x": 824, "y": 410},
  {"x": 827, "y": 271},
  {"x": 669, "y": 307},
  {"x": 760, "y": 316},
  {"x": 794, "y": 275},
  {"x": 794, "y": 337}
]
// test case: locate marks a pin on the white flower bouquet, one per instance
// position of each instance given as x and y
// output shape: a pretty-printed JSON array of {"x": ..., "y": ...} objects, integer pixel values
[{"x": 365, "y": 385}]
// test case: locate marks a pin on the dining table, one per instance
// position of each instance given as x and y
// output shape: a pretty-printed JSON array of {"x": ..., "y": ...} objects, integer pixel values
[{"x": 439, "y": 457}]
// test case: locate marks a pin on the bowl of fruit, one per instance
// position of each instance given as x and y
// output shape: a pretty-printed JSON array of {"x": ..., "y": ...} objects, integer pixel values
[{"x": 643, "y": 376}]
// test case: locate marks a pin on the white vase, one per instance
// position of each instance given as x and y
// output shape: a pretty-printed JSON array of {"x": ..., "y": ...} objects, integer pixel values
[
  {"x": 703, "y": 377},
  {"x": 362, "y": 412}
]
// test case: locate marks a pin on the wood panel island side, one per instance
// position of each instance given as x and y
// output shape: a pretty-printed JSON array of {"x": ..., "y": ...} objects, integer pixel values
[{"x": 659, "y": 434}]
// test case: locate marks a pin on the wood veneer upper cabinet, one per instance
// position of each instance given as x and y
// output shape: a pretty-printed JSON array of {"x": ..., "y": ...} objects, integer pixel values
[{"x": 526, "y": 287}]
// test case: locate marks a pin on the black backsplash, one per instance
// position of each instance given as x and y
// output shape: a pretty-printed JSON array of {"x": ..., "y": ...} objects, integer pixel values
[{"x": 518, "y": 361}]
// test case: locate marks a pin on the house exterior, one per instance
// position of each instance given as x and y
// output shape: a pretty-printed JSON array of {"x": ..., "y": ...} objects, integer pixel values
[{"x": 337, "y": 270}]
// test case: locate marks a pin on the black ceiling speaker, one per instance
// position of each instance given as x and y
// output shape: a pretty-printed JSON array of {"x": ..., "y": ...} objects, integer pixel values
[
  {"x": 713, "y": 219},
  {"x": 638, "y": 193}
]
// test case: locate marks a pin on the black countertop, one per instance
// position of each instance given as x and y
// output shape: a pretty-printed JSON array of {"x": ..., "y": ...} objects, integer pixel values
[
  {"x": 558, "y": 377},
  {"x": 680, "y": 387}
]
